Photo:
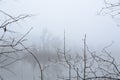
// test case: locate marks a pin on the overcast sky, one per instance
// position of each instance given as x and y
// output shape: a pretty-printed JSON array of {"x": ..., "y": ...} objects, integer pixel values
[{"x": 77, "y": 17}]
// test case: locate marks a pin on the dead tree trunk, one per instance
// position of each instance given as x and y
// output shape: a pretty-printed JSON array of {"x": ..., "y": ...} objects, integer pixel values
[{"x": 84, "y": 74}]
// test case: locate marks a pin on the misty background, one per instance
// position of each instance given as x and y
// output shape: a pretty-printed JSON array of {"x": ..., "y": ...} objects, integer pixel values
[
  {"x": 49, "y": 19},
  {"x": 77, "y": 17}
]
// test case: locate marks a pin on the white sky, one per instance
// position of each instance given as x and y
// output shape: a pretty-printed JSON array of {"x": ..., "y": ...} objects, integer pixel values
[{"x": 76, "y": 16}]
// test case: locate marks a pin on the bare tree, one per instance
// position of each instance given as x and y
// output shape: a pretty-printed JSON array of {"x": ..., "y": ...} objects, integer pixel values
[
  {"x": 10, "y": 45},
  {"x": 112, "y": 8},
  {"x": 90, "y": 66}
]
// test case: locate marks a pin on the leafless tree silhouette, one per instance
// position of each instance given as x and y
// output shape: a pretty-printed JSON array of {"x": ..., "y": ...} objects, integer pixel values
[
  {"x": 90, "y": 65},
  {"x": 112, "y": 8},
  {"x": 10, "y": 46}
]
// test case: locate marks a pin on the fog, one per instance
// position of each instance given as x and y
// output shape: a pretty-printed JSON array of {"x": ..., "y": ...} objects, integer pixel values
[
  {"x": 49, "y": 18},
  {"x": 77, "y": 17}
]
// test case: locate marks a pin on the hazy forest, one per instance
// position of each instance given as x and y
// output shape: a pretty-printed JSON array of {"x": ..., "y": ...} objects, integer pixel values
[{"x": 53, "y": 57}]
